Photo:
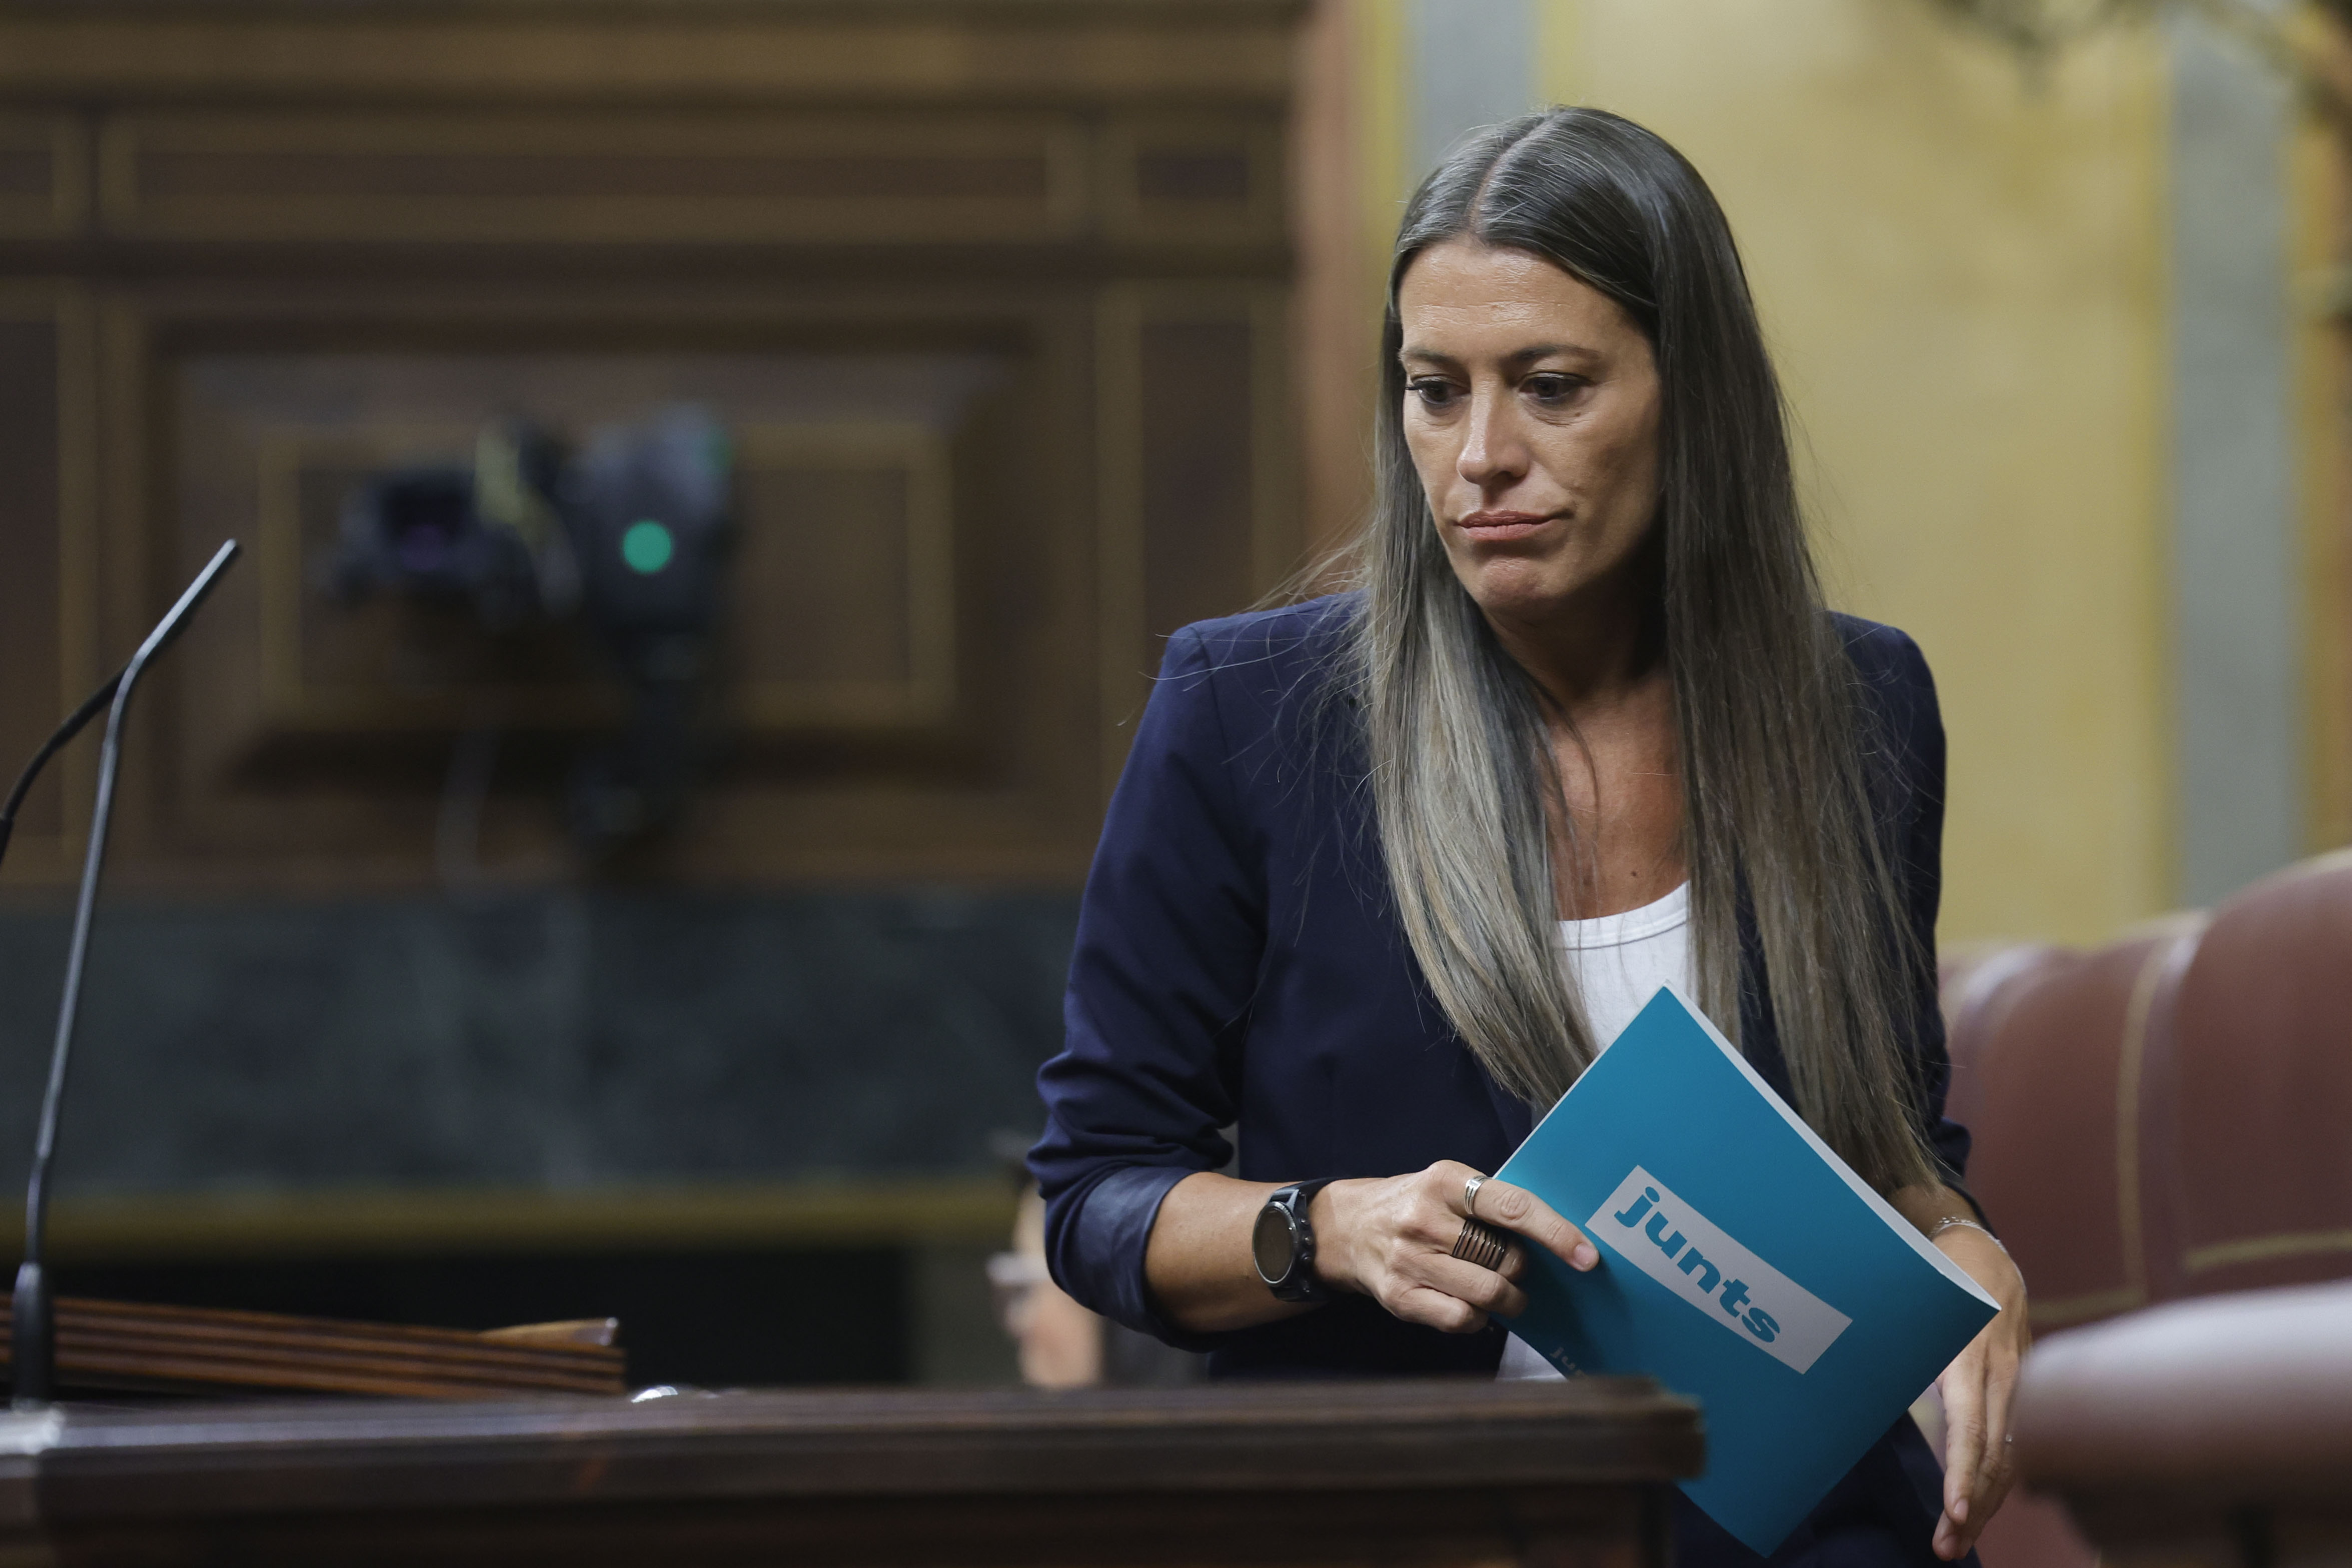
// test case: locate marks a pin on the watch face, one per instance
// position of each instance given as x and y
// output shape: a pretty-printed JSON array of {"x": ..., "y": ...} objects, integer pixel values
[{"x": 1272, "y": 1243}]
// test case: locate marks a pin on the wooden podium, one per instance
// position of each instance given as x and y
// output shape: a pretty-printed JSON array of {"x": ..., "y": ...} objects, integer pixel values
[
  {"x": 137, "y": 1348},
  {"x": 1443, "y": 1473}
]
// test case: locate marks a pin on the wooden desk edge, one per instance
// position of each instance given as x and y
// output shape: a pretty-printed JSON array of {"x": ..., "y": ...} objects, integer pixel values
[{"x": 85, "y": 1468}]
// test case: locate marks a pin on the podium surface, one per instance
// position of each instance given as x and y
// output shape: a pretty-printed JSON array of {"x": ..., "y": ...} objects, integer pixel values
[{"x": 1270, "y": 1475}]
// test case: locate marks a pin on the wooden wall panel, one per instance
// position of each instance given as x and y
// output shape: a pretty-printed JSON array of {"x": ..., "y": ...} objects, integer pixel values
[
  {"x": 639, "y": 178},
  {"x": 32, "y": 681},
  {"x": 1225, "y": 53},
  {"x": 1193, "y": 181},
  {"x": 845, "y": 524},
  {"x": 909, "y": 640},
  {"x": 991, "y": 299},
  {"x": 47, "y": 540},
  {"x": 844, "y": 576},
  {"x": 1197, "y": 520},
  {"x": 1196, "y": 475},
  {"x": 44, "y": 174}
]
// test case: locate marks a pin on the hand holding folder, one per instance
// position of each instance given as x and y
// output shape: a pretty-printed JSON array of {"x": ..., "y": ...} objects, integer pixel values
[{"x": 1742, "y": 1261}]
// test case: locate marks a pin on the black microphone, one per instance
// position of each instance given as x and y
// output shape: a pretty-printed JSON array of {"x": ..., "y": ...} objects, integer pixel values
[{"x": 33, "y": 1330}]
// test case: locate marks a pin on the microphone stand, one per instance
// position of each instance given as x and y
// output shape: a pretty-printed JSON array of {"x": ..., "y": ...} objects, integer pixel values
[
  {"x": 50, "y": 747},
  {"x": 33, "y": 1328}
]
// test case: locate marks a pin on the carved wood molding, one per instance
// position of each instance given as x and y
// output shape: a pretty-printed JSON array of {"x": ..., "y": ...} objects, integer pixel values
[
  {"x": 1100, "y": 51},
  {"x": 1086, "y": 198}
]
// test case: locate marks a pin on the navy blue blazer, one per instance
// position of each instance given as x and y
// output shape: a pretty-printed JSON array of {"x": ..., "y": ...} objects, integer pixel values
[{"x": 1240, "y": 965}]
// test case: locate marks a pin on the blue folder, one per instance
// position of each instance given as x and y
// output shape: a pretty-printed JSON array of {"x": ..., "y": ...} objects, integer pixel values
[{"x": 1741, "y": 1262}]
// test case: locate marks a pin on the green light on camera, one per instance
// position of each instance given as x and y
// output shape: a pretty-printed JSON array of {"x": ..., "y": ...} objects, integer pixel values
[{"x": 647, "y": 546}]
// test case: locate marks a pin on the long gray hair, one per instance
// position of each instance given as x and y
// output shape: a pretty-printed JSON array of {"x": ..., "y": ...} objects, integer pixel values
[{"x": 1777, "y": 811}]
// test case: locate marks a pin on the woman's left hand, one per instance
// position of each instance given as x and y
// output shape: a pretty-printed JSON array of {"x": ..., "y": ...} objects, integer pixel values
[{"x": 1976, "y": 1390}]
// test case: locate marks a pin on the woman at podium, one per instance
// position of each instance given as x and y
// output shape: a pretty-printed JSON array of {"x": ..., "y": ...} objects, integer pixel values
[{"x": 1387, "y": 868}]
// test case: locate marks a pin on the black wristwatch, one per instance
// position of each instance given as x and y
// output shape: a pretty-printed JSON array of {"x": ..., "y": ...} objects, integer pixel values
[{"x": 1283, "y": 1243}]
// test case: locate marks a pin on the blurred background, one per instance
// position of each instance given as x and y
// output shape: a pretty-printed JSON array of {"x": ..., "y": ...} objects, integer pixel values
[{"x": 715, "y": 476}]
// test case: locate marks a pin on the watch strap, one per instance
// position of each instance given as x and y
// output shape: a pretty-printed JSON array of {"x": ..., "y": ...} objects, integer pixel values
[{"x": 1298, "y": 1283}]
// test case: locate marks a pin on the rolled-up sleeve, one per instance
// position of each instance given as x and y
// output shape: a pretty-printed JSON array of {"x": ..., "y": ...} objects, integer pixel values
[{"x": 1170, "y": 943}]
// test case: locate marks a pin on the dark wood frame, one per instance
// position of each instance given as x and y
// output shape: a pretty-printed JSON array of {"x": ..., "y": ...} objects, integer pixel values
[
  {"x": 1419, "y": 1472},
  {"x": 159, "y": 227}
]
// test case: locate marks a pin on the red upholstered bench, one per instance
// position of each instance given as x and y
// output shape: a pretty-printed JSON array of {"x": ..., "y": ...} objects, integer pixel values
[
  {"x": 2056, "y": 1058},
  {"x": 2052, "y": 1052},
  {"x": 2261, "y": 1129},
  {"x": 2164, "y": 1116}
]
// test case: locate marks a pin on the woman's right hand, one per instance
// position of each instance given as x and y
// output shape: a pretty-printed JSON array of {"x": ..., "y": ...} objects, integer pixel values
[{"x": 1393, "y": 1240}]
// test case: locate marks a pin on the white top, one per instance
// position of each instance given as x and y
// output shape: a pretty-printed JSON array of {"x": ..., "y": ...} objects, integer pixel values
[{"x": 1618, "y": 961}]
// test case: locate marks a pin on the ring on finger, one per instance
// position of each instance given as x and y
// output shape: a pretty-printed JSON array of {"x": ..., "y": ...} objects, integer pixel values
[
  {"x": 1480, "y": 1245},
  {"x": 1470, "y": 1196}
]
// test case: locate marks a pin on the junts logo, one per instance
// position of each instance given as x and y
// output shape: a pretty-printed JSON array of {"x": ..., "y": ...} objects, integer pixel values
[{"x": 1676, "y": 1245}]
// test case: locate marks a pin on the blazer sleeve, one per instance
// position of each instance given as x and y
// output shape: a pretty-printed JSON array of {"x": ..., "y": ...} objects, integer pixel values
[{"x": 1170, "y": 941}]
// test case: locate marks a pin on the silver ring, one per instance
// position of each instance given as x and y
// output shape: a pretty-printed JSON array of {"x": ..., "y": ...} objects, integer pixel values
[
  {"x": 1470, "y": 1196},
  {"x": 1480, "y": 1246}
]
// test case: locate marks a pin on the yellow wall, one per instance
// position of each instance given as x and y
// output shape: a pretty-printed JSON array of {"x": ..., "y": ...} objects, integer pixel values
[
  {"x": 2318, "y": 172},
  {"x": 1960, "y": 272}
]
